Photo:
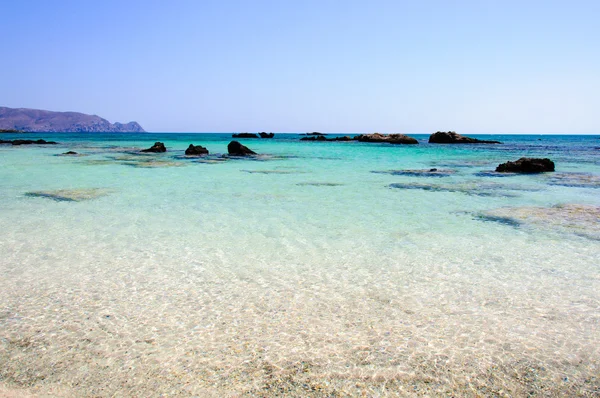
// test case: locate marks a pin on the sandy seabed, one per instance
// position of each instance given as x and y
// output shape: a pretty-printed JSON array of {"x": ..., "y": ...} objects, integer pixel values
[{"x": 157, "y": 329}]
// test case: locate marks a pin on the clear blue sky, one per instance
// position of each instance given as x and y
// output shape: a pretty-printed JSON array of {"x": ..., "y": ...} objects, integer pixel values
[{"x": 309, "y": 65}]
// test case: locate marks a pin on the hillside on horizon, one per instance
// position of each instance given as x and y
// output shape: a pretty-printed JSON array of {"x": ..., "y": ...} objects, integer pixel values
[{"x": 38, "y": 120}]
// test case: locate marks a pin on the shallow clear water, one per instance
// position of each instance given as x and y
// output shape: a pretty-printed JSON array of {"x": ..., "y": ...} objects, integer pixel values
[{"x": 316, "y": 268}]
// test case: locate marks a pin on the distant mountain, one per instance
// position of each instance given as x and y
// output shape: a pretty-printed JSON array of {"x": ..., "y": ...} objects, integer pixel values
[{"x": 36, "y": 120}]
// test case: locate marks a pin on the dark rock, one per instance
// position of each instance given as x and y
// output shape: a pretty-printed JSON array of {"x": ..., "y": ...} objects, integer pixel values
[
  {"x": 323, "y": 138},
  {"x": 245, "y": 135},
  {"x": 450, "y": 137},
  {"x": 527, "y": 165},
  {"x": 70, "y": 153},
  {"x": 315, "y": 133},
  {"x": 266, "y": 135},
  {"x": 314, "y": 138},
  {"x": 28, "y": 142},
  {"x": 196, "y": 150},
  {"x": 236, "y": 149},
  {"x": 157, "y": 147},
  {"x": 391, "y": 138}
]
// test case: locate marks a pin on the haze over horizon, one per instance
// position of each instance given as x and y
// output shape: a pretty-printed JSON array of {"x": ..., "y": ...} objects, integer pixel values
[{"x": 338, "y": 66}]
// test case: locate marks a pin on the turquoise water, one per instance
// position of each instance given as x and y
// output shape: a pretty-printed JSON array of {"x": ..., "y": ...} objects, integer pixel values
[{"x": 314, "y": 268}]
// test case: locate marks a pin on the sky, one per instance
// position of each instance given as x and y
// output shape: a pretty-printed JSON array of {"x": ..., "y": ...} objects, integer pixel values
[{"x": 504, "y": 66}]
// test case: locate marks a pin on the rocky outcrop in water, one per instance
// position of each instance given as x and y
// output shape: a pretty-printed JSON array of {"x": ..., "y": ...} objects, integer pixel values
[
  {"x": 158, "y": 147},
  {"x": 375, "y": 137},
  {"x": 244, "y": 135},
  {"x": 253, "y": 135},
  {"x": 323, "y": 138},
  {"x": 526, "y": 165},
  {"x": 314, "y": 138},
  {"x": 451, "y": 137},
  {"x": 28, "y": 142},
  {"x": 196, "y": 150},
  {"x": 390, "y": 138},
  {"x": 236, "y": 149},
  {"x": 37, "y": 120}
]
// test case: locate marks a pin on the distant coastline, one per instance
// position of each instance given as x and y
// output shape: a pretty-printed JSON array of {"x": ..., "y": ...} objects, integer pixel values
[{"x": 21, "y": 120}]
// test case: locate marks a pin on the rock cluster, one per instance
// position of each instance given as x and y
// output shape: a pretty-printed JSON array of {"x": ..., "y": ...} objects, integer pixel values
[
  {"x": 28, "y": 142},
  {"x": 234, "y": 149},
  {"x": 375, "y": 137}
]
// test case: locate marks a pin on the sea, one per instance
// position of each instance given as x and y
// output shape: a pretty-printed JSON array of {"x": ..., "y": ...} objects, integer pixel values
[{"x": 325, "y": 269}]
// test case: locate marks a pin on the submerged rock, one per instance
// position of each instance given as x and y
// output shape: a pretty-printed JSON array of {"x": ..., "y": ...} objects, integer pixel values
[
  {"x": 527, "y": 165},
  {"x": 581, "y": 220},
  {"x": 196, "y": 150},
  {"x": 390, "y": 138},
  {"x": 319, "y": 184},
  {"x": 69, "y": 195},
  {"x": 272, "y": 172},
  {"x": 236, "y": 149},
  {"x": 211, "y": 160},
  {"x": 69, "y": 153},
  {"x": 152, "y": 164},
  {"x": 575, "y": 180},
  {"x": 419, "y": 172},
  {"x": 468, "y": 188},
  {"x": 493, "y": 174},
  {"x": 451, "y": 137},
  {"x": 244, "y": 135},
  {"x": 156, "y": 148}
]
